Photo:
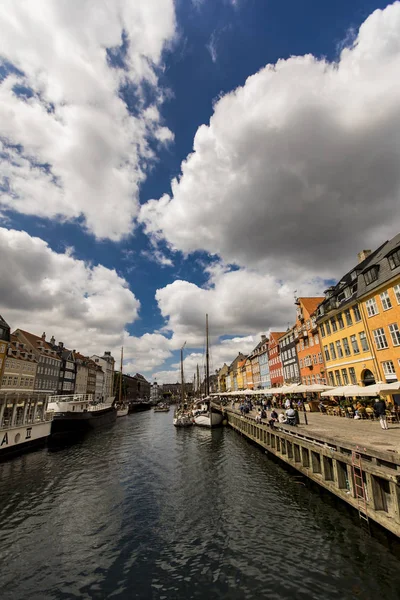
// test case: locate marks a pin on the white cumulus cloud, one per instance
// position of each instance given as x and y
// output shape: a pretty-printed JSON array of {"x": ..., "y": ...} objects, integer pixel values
[
  {"x": 299, "y": 168},
  {"x": 70, "y": 146}
]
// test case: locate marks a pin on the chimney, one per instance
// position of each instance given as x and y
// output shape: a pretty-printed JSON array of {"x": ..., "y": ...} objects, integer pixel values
[
  {"x": 44, "y": 336},
  {"x": 53, "y": 340},
  {"x": 363, "y": 255},
  {"x": 61, "y": 345},
  {"x": 263, "y": 338}
]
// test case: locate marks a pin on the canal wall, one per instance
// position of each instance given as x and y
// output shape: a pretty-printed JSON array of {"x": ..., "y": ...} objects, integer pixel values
[{"x": 366, "y": 478}]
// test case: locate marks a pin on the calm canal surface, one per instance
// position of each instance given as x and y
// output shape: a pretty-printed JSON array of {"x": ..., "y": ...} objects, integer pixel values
[{"x": 142, "y": 510}]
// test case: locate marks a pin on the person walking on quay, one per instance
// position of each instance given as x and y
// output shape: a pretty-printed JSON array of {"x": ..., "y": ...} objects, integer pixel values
[
  {"x": 380, "y": 412},
  {"x": 287, "y": 403}
]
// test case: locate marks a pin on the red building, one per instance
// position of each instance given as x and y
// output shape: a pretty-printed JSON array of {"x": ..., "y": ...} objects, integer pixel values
[{"x": 275, "y": 363}]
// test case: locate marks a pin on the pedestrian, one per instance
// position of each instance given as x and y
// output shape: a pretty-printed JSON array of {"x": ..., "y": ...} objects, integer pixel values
[
  {"x": 380, "y": 412},
  {"x": 287, "y": 403}
]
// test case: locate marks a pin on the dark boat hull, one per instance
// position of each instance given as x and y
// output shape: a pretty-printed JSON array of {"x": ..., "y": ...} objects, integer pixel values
[{"x": 70, "y": 422}]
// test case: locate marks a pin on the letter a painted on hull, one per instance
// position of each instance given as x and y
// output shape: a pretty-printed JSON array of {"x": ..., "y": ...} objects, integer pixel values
[{"x": 4, "y": 440}]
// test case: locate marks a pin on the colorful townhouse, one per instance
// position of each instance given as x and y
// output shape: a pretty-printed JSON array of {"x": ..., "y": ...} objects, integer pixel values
[
  {"x": 222, "y": 373},
  {"x": 274, "y": 361},
  {"x": 20, "y": 367},
  {"x": 263, "y": 359},
  {"x": 378, "y": 295},
  {"x": 289, "y": 359},
  {"x": 239, "y": 371},
  {"x": 255, "y": 366},
  {"x": 345, "y": 339},
  {"x": 249, "y": 374},
  {"x": 309, "y": 352}
]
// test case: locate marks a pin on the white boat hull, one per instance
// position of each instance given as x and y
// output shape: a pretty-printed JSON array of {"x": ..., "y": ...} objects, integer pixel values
[
  {"x": 122, "y": 412},
  {"x": 184, "y": 421},
  {"x": 15, "y": 439},
  {"x": 204, "y": 419}
]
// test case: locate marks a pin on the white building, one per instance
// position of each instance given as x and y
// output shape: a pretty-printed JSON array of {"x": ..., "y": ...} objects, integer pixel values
[
  {"x": 99, "y": 389},
  {"x": 106, "y": 362}
]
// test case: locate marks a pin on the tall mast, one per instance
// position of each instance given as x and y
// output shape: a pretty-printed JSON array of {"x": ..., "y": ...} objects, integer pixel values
[
  {"x": 120, "y": 376},
  {"x": 207, "y": 361},
  {"x": 182, "y": 378},
  {"x": 198, "y": 381}
]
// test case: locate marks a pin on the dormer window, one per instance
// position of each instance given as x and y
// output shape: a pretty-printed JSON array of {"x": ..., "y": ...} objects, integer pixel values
[
  {"x": 371, "y": 275},
  {"x": 394, "y": 259}
]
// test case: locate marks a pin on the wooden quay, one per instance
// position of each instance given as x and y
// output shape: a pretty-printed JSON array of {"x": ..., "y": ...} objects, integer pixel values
[{"x": 354, "y": 459}]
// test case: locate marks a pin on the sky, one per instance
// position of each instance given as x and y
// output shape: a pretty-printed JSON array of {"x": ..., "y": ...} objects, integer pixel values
[{"x": 161, "y": 160}]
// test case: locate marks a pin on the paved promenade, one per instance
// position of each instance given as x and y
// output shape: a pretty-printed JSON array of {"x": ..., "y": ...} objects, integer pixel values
[{"x": 361, "y": 432}]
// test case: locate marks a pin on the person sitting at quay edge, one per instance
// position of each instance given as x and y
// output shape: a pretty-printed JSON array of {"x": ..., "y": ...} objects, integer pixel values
[
  {"x": 380, "y": 412},
  {"x": 273, "y": 419},
  {"x": 282, "y": 418},
  {"x": 291, "y": 417}
]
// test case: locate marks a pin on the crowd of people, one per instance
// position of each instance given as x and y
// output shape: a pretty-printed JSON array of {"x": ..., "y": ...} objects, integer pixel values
[{"x": 290, "y": 416}]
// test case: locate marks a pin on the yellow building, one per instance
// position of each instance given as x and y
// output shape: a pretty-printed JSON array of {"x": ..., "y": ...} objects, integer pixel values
[
  {"x": 20, "y": 367},
  {"x": 344, "y": 338},
  {"x": 379, "y": 298}
]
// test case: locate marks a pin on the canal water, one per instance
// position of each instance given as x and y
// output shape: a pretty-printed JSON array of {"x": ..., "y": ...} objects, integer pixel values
[{"x": 142, "y": 510}]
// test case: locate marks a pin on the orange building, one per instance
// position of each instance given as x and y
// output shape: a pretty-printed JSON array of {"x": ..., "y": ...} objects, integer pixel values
[{"x": 309, "y": 352}]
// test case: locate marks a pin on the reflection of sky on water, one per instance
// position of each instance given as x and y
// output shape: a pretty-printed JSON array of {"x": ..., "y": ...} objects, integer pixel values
[{"x": 143, "y": 510}]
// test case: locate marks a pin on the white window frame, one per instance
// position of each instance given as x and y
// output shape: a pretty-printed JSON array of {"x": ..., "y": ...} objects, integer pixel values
[
  {"x": 380, "y": 338},
  {"x": 372, "y": 307},
  {"x": 396, "y": 290},
  {"x": 385, "y": 301},
  {"x": 394, "y": 334}
]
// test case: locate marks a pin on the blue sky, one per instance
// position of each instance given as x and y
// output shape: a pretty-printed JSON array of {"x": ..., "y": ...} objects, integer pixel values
[{"x": 200, "y": 52}]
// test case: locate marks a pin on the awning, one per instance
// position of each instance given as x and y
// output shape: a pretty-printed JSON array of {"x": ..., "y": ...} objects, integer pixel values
[{"x": 349, "y": 391}]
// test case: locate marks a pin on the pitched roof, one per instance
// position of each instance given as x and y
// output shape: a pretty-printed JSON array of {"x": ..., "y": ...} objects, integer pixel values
[
  {"x": 276, "y": 335},
  {"x": 311, "y": 304},
  {"x": 34, "y": 339}
]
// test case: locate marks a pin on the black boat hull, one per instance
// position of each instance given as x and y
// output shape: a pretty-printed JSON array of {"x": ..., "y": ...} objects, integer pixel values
[{"x": 69, "y": 422}]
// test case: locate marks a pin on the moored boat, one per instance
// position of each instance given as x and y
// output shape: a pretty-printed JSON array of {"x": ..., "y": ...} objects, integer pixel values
[
  {"x": 183, "y": 420},
  {"x": 78, "y": 413},
  {"x": 24, "y": 422},
  {"x": 161, "y": 407},
  {"x": 122, "y": 411},
  {"x": 204, "y": 415}
]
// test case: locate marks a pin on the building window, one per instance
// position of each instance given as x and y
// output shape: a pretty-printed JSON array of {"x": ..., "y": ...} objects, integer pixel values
[
  {"x": 345, "y": 377},
  {"x": 372, "y": 308},
  {"x": 322, "y": 326},
  {"x": 331, "y": 380},
  {"x": 316, "y": 339},
  {"x": 328, "y": 328},
  {"x": 338, "y": 378},
  {"x": 395, "y": 334},
  {"x": 333, "y": 323},
  {"x": 308, "y": 324},
  {"x": 356, "y": 311},
  {"x": 349, "y": 320},
  {"x": 394, "y": 259},
  {"x": 385, "y": 299},
  {"x": 396, "y": 290},
  {"x": 340, "y": 321},
  {"x": 332, "y": 350},
  {"x": 308, "y": 380},
  {"x": 363, "y": 340},
  {"x": 315, "y": 359},
  {"x": 339, "y": 349},
  {"x": 346, "y": 346},
  {"x": 388, "y": 369},
  {"x": 352, "y": 374},
  {"x": 380, "y": 338},
  {"x": 311, "y": 341},
  {"x": 371, "y": 275},
  {"x": 320, "y": 359},
  {"x": 354, "y": 344}
]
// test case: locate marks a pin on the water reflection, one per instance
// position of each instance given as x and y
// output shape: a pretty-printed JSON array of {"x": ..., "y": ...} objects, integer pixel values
[{"x": 143, "y": 510}]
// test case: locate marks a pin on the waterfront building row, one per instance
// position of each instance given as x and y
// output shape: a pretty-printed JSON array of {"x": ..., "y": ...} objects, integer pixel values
[
  {"x": 30, "y": 363},
  {"x": 351, "y": 335}
]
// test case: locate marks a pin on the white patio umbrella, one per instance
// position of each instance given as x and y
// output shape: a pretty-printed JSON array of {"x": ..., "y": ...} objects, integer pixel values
[
  {"x": 385, "y": 388},
  {"x": 351, "y": 390}
]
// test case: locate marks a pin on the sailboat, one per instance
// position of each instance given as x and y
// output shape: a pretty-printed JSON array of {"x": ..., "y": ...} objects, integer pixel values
[
  {"x": 204, "y": 415},
  {"x": 182, "y": 417},
  {"x": 122, "y": 409}
]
